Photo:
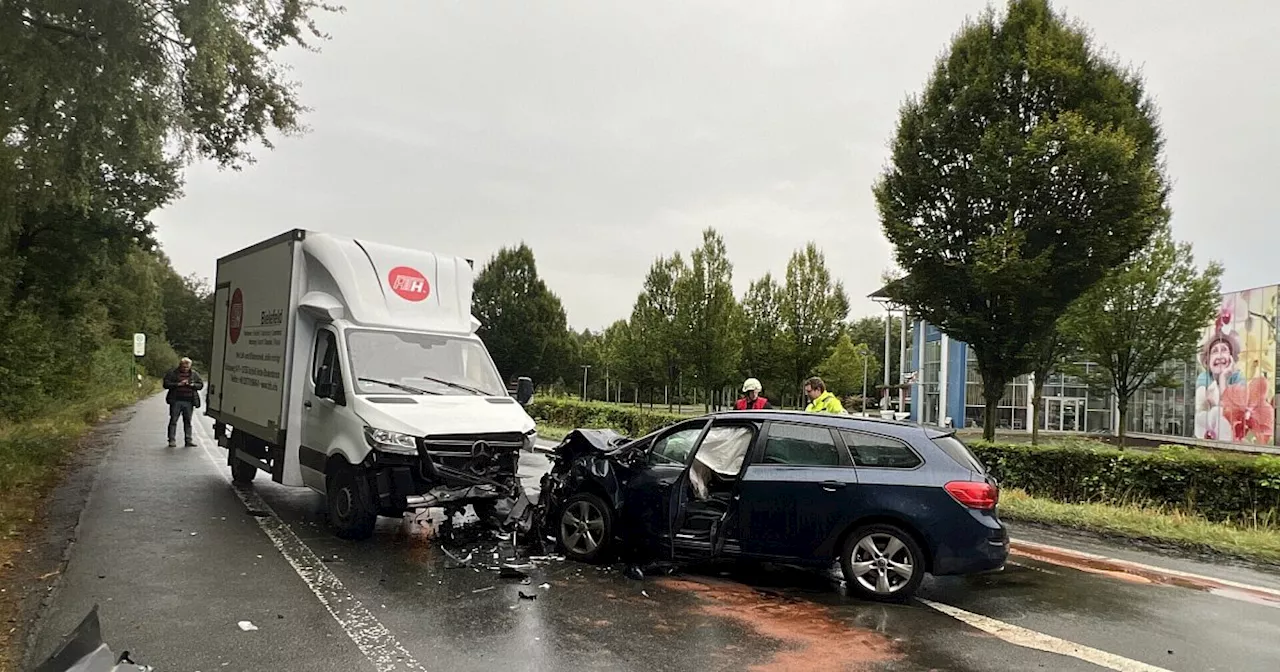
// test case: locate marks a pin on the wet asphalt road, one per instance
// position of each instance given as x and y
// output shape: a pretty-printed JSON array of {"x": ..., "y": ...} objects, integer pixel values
[{"x": 168, "y": 550}]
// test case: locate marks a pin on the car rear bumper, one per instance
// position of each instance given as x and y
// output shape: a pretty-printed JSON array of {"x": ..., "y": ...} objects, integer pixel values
[{"x": 987, "y": 552}]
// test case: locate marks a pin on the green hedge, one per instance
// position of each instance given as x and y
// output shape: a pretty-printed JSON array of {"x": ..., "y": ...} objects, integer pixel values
[
  {"x": 1234, "y": 489},
  {"x": 1230, "y": 489},
  {"x": 570, "y": 413}
]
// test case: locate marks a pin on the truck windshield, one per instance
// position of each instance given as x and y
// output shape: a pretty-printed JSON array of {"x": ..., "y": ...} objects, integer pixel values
[{"x": 433, "y": 363}]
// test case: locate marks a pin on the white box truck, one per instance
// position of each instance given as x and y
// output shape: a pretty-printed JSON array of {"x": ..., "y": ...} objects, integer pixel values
[{"x": 354, "y": 369}]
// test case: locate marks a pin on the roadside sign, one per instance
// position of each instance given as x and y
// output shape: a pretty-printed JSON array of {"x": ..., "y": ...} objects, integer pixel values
[{"x": 139, "y": 345}]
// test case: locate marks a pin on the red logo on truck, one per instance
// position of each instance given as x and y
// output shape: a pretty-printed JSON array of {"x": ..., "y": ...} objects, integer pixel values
[
  {"x": 408, "y": 283},
  {"x": 235, "y": 316}
]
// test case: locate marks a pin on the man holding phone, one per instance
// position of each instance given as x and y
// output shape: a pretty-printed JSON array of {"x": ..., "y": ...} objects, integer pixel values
[{"x": 183, "y": 396}]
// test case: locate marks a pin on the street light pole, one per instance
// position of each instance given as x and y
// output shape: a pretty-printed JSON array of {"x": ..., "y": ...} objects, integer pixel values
[
  {"x": 866, "y": 356},
  {"x": 585, "y": 368}
]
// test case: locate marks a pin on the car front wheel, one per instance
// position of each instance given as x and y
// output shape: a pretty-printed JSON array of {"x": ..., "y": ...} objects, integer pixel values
[
  {"x": 882, "y": 563},
  {"x": 585, "y": 528}
]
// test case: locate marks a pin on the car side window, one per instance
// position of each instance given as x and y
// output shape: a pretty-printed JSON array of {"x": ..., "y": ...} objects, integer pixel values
[
  {"x": 674, "y": 448},
  {"x": 801, "y": 445},
  {"x": 870, "y": 450}
]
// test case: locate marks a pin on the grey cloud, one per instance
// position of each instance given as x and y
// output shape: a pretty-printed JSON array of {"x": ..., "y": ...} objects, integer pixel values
[{"x": 606, "y": 133}]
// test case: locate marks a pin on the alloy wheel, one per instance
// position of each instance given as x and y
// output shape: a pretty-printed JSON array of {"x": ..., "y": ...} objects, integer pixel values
[
  {"x": 882, "y": 564},
  {"x": 582, "y": 527}
]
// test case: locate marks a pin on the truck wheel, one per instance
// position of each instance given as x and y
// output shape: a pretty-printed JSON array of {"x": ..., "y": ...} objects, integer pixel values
[
  {"x": 242, "y": 472},
  {"x": 351, "y": 513}
]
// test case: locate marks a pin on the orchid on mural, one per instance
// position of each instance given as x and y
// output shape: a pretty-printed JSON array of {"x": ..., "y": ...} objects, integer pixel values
[{"x": 1248, "y": 410}]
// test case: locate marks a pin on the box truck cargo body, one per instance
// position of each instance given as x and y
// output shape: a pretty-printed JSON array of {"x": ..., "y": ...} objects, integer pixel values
[{"x": 354, "y": 369}]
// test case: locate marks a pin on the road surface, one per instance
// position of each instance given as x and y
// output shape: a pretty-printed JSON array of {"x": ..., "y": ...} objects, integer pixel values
[{"x": 192, "y": 574}]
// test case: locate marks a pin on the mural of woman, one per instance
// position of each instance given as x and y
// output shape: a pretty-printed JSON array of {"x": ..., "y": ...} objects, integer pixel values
[{"x": 1218, "y": 356}]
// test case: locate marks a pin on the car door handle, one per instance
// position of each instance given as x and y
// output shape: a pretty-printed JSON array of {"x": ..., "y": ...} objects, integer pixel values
[{"x": 831, "y": 486}]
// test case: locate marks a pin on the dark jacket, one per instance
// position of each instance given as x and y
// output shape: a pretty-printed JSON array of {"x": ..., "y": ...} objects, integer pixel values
[{"x": 179, "y": 392}]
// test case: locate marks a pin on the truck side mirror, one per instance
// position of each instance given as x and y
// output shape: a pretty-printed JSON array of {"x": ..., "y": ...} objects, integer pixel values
[{"x": 524, "y": 390}]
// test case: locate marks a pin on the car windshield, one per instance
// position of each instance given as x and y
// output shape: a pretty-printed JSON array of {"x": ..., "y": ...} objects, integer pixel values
[{"x": 391, "y": 362}]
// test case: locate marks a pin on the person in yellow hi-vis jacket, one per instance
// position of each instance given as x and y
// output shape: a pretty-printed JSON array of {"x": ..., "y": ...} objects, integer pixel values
[{"x": 820, "y": 400}]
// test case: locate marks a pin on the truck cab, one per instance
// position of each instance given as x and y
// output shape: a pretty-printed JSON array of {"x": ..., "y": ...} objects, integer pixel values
[{"x": 354, "y": 369}]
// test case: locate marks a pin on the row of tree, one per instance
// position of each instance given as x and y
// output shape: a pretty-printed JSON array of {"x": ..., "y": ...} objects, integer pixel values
[
  {"x": 104, "y": 104},
  {"x": 688, "y": 336},
  {"x": 1027, "y": 202}
]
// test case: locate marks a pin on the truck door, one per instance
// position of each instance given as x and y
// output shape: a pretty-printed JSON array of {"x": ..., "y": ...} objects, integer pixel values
[
  {"x": 322, "y": 398},
  {"x": 221, "y": 303}
]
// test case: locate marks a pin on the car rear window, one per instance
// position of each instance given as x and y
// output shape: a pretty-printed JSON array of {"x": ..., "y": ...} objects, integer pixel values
[
  {"x": 959, "y": 452},
  {"x": 879, "y": 451}
]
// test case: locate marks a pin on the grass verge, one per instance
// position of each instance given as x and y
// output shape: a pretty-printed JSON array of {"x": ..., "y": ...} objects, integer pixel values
[
  {"x": 33, "y": 456},
  {"x": 1168, "y": 527},
  {"x": 552, "y": 432}
]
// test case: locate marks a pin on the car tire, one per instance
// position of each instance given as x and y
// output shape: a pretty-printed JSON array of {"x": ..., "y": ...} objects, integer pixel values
[
  {"x": 584, "y": 528},
  {"x": 351, "y": 513},
  {"x": 882, "y": 563},
  {"x": 242, "y": 472}
]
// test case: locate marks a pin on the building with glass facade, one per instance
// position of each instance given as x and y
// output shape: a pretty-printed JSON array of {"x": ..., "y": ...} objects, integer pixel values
[{"x": 1224, "y": 394}]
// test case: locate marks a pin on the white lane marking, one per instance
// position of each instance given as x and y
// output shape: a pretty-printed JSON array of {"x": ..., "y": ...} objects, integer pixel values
[
  {"x": 1037, "y": 640},
  {"x": 1031, "y": 545},
  {"x": 369, "y": 634}
]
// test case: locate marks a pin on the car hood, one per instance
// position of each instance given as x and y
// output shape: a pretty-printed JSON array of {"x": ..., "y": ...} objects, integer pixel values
[
  {"x": 605, "y": 442},
  {"x": 430, "y": 416}
]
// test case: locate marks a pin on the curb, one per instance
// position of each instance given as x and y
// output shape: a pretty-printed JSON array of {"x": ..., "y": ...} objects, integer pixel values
[{"x": 1101, "y": 564}]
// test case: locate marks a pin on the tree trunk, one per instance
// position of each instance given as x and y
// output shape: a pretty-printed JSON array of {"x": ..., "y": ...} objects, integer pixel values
[
  {"x": 989, "y": 418},
  {"x": 1123, "y": 406},
  {"x": 1037, "y": 400},
  {"x": 992, "y": 391}
]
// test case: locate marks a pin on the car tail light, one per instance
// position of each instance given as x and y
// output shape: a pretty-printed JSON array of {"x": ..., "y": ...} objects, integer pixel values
[{"x": 974, "y": 494}]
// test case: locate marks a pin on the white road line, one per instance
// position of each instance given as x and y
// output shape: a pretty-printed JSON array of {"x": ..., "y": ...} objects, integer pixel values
[
  {"x": 369, "y": 634},
  {"x": 1037, "y": 640}
]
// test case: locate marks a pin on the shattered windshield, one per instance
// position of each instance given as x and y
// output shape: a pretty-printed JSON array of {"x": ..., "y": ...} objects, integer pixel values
[{"x": 392, "y": 362}]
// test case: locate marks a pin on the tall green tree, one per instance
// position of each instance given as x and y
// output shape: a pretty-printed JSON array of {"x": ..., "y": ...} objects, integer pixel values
[
  {"x": 1145, "y": 314},
  {"x": 1028, "y": 168},
  {"x": 655, "y": 339},
  {"x": 706, "y": 310},
  {"x": 764, "y": 353},
  {"x": 847, "y": 366},
  {"x": 521, "y": 321},
  {"x": 104, "y": 103},
  {"x": 812, "y": 310},
  {"x": 869, "y": 331}
]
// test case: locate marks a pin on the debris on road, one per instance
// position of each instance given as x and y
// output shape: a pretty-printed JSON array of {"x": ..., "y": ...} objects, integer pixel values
[
  {"x": 545, "y": 586},
  {"x": 525, "y": 596},
  {"x": 514, "y": 571},
  {"x": 481, "y": 590},
  {"x": 247, "y": 626}
]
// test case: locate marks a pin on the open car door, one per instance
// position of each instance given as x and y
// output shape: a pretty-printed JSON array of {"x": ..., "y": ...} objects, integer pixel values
[{"x": 703, "y": 507}]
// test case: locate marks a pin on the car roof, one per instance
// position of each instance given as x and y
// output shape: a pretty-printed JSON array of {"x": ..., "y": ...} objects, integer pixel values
[{"x": 855, "y": 422}]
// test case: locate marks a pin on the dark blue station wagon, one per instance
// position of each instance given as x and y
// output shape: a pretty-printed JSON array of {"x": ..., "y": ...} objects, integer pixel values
[{"x": 889, "y": 501}]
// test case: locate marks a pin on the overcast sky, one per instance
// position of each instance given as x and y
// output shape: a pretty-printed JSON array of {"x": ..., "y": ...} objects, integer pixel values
[{"x": 606, "y": 133}]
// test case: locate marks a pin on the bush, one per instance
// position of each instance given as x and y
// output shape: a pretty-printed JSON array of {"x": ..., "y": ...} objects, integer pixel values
[
  {"x": 1222, "y": 489},
  {"x": 630, "y": 420},
  {"x": 159, "y": 359}
]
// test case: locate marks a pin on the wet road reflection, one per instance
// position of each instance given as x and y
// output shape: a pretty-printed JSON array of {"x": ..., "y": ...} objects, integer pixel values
[{"x": 752, "y": 616}]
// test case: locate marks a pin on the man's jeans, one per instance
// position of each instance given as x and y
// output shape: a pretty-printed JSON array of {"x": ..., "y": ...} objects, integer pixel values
[{"x": 184, "y": 409}]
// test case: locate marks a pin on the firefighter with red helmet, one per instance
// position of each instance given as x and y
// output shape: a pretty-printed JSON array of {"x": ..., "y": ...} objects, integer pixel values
[{"x": 751, "y": 399}]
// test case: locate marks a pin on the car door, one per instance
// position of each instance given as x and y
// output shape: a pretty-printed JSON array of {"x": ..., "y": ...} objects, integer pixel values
[
  {"x": 648, "y": 493},
  {"x": 798, "y": 487},
  {"x": 321, "y": 401},
  {"x": 704, "y": 501}
]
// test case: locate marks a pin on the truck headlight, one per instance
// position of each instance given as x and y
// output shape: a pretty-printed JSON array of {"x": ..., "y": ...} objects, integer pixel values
[{"x": 390, "y": 442}]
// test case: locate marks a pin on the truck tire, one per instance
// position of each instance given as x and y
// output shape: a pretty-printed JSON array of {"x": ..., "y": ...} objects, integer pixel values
[
  {"x": 351, "y": 513},
  {"x": 242, "y": 472}
]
